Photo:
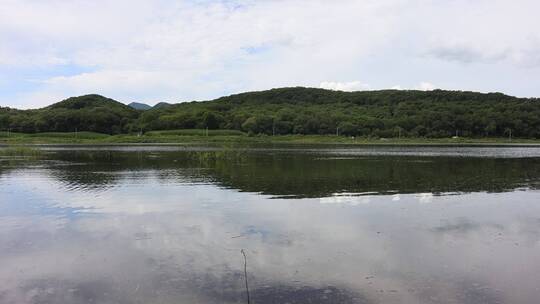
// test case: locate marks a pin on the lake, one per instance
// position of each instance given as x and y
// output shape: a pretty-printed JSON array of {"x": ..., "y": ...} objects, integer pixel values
[{"x": 317, "y": 224}]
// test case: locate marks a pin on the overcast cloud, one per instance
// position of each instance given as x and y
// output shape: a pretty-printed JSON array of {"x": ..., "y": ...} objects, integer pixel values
[{"x": 152, "y": 51}]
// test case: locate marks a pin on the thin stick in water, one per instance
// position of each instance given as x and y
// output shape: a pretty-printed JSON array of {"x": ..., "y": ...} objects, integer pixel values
[{"x": 245, "y": 275}]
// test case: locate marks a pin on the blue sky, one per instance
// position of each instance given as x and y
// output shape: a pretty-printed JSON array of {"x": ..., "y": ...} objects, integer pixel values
[{"x": 173, "y": 51}]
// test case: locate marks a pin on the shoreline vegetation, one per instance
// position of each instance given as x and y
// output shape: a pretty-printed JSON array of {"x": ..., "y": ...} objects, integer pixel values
[
  {"x": 286, "y": 115},
  {"x": 226, "y": 137}
]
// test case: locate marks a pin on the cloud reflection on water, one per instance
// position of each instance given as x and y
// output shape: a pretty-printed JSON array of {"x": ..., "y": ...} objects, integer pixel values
[{"x": 153, "y": 237}]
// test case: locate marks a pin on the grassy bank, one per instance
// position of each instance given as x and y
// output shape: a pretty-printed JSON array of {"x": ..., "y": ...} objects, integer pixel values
[{"x": 230, "y": 136}]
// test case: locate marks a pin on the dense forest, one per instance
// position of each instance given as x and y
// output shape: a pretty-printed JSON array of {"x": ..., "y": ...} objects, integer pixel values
[
  {"x": 85, "y": 113},
  {"x": 385, "y": 113}
]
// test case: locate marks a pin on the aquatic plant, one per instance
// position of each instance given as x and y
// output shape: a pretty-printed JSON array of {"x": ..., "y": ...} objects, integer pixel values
[{"x": 24, "y": 151}]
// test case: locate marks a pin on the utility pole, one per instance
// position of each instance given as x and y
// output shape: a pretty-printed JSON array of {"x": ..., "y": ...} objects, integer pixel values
[{"x": 337, "y": 131}]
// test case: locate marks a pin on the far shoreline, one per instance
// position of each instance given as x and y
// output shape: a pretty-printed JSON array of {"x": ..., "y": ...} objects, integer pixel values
[{"x": 156, "y": 139}]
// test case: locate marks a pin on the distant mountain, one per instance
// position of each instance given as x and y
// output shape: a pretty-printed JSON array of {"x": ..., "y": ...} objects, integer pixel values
[
  {"x": 162, "y": 105},
  {"x": 144, "y": 106},
  {"x": 139, "y": 106}
]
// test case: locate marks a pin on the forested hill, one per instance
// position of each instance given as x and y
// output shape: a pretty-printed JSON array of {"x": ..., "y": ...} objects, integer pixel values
[
  {"x": 386, "y": 113},
  {"x": 84, "y": 113}
]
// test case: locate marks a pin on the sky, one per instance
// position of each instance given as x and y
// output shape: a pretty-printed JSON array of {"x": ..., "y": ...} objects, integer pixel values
[{"x": 184, "y": 50}]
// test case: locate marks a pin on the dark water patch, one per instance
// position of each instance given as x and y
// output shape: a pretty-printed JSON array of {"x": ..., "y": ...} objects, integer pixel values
[
  {"x": 464, "y": 226},
  {"x": 307, "y": 294}
]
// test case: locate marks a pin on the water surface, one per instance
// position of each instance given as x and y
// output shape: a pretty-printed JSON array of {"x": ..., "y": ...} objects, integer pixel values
[{"x": 165, "y": 224}]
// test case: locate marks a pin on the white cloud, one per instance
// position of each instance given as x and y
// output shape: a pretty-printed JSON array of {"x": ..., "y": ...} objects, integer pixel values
[
  {"x": 360, "y": 86},
  {"x": 345, "y": 86},
  {"x": 422, "y": 86},
  {"x": 183, "y": 50}
]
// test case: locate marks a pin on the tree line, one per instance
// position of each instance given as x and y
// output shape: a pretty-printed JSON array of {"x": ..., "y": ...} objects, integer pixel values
[{"x": 385, "y": 113}]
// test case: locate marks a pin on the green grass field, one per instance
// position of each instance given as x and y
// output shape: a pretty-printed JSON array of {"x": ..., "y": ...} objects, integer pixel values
[
  {"x": 196, "y": 132},
  {"x": 231, "y": 136}
]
